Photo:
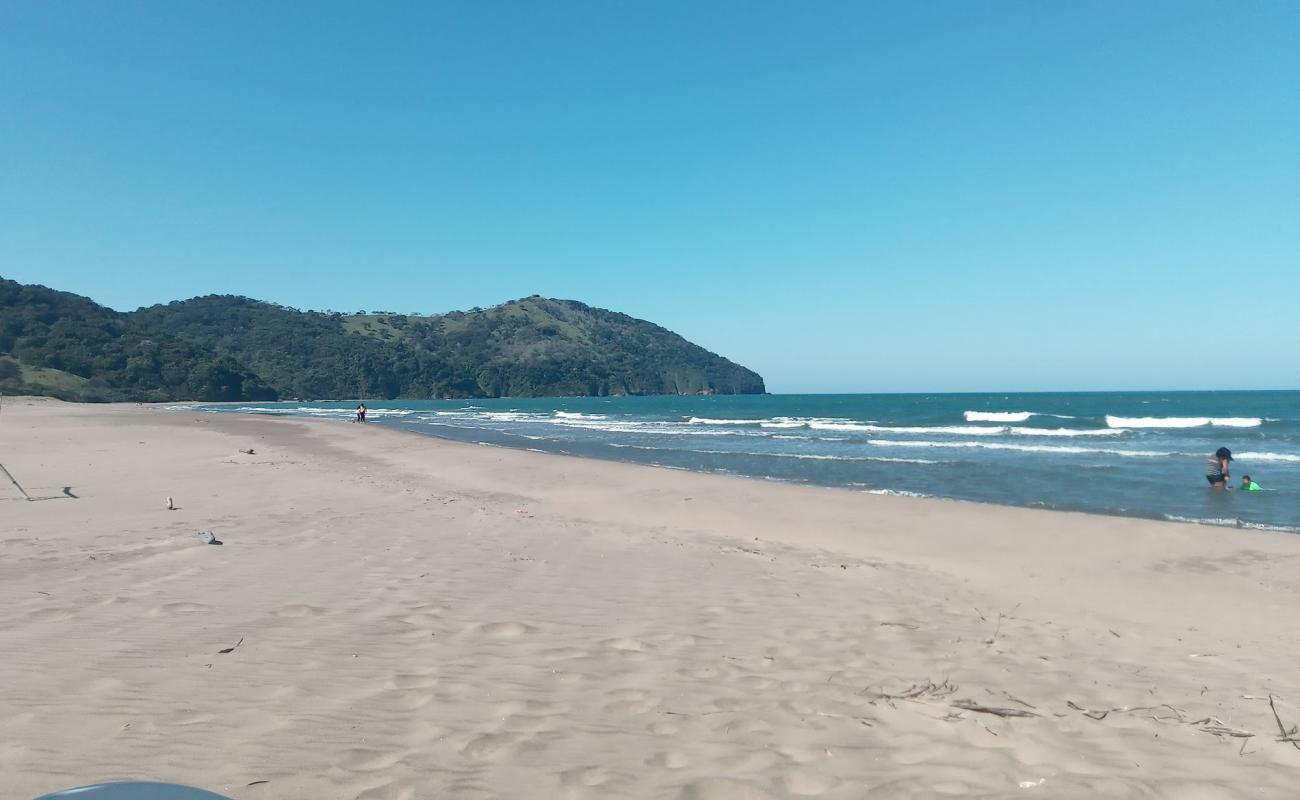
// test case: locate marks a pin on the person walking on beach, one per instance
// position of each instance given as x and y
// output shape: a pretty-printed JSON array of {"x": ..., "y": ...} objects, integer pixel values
[
  {"x": 1216, "y": 468},
  {"x": 361, "y": 413}
]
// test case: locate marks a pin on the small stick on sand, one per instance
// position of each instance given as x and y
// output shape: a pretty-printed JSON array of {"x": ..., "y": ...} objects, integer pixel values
[
  {"x": 231, "y": 649},
  {"x": 971, "y": 705},
  {"x": 1015, "y": 699},
  {"x": 15, "y": 482},
  {"x": 1287, "y": 735}
]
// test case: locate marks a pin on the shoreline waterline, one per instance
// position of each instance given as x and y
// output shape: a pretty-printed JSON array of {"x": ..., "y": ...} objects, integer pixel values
[{"x": 1035, "y": 458}]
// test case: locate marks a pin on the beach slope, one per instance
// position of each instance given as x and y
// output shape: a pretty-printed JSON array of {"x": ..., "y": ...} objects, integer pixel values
[{"x": 393, "y": 616}]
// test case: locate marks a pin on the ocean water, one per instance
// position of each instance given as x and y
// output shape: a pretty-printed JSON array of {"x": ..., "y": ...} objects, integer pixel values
[{"x": 1133, "y": 453}]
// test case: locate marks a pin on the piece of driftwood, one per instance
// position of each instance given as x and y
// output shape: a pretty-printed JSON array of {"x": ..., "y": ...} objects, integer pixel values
[
  {"x": 971, "y": 705},
  {"x": 1224, "y": 730},
  {"x": 231, "y": 649}
]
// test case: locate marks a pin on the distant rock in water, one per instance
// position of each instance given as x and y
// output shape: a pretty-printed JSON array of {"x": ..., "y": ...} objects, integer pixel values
[{"x": 233, "y": 348}]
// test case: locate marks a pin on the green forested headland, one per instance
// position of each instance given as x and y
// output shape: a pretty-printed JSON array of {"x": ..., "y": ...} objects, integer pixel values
[{"x": 234, "y": 348}]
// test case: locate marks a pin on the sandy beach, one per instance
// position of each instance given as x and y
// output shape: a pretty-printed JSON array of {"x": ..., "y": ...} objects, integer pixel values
[{"x": 415, "y": 618}]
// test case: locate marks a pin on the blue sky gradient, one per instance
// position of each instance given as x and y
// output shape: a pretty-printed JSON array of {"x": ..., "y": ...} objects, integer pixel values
[{"x": 934, "y": 196}]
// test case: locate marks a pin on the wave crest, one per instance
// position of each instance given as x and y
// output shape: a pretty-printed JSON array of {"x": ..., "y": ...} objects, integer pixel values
[
  {"x": 1183, "y": 422},
  {"x": 998, "y": 416}
]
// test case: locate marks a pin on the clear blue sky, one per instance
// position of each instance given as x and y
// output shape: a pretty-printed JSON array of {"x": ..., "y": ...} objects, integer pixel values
[{"x": 844, "y": 196}]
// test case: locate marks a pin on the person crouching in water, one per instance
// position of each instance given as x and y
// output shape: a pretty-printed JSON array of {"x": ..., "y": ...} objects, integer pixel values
[
  {"x": 1216, "y": 468},
  {"x": 1247, "y": 485}
]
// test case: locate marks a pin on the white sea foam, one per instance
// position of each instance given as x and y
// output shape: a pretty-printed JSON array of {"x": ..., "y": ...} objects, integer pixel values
[
  {"x": 1183, "y": 422},
  {"x": 1023, "y": 448},
  {"x": 571, "y": 415},
  {"x": 1268, "y": 457},
  {"x": 895, "y": 493},
  {"x": 1226, "y": 522},
  {"x": 814, "y": 457},
  {"x": 1233, "y": 522},
  {"x": 1264, "y": 526},
  {"x": 959, "y": 430},
  {"x": 708, "y": 421},
  {"x": 315, "y": 411},
  {"x": 511, "y": 416},
  {"x": 1067, "y": 431},
  {"x": 998, "y": 416},
  {"x": 801, "y": 456}
]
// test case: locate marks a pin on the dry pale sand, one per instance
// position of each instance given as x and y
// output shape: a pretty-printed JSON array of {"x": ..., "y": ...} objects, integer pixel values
[{"x": 424, "y": 619}]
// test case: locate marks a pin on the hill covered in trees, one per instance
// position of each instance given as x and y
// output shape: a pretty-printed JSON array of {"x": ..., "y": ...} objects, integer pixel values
[{"x": 235, "y": 348}]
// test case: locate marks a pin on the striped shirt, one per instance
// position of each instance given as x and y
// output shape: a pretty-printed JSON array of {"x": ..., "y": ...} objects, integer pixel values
[{"x": 1213, "y": 467}]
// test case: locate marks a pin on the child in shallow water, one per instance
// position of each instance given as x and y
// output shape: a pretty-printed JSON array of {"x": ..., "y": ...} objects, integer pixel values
[{"x": 1247, "y": 485}]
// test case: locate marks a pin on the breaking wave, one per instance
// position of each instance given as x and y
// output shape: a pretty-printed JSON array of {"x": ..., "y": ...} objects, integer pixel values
[
  {"x": 998, "y": 416},
  {"x": 1183, "y": 422},
  {"x": 1024, "y": 448}
]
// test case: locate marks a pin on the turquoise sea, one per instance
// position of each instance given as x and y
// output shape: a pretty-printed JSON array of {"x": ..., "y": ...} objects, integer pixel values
[{"x": 1128, "y": 453}]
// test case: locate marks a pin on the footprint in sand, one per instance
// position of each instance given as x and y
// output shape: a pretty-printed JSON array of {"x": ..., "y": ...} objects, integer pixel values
[
  {"x": 802, "y": 755},
  {"x": 368, "y": 760},
  {"x": 543, "y": 707},
  {"x": 186, "y": 608},
  {"x": 807, "y": 784},
  {"x": 756, "y": 761},
  {"x": 625, "y": 645},
  {"x": 186, "y": 717},
  {"x": 563, "y": 654},
  {"x": 627, "y": 694},
  {"x": 756, "y": 683},
  {"x": 629, "y": 707},
  {"x": 505, "y": 630},
  {"x": 698, "y": 673},
  {"x": 403, "y": 701},
  {"x": 744, "y": 726},
  {"x": 454, "y": 691},
  {"x": 585, "y": 776},
  {"x": 298, "y": 610},
  {"x": 668, "y": 760},
  {"x": 530, "y": 723},
  {"x": 276, "y": 692},
  {"x": 724, "y": 789},
  {"x": 414, "y": 681},
  {"x": 388, "y": 791},
  {"x": 798, "y": 707},
  {"x": 105, "y": 686},
  {"x": 489, "y": 745},
  {"x": 805, "y": 634}
]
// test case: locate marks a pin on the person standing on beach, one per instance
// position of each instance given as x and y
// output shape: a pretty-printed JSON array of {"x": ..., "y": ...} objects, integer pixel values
[
  {"x": 1216, "y": 468},
  {"x": 361, "y": 413}
]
